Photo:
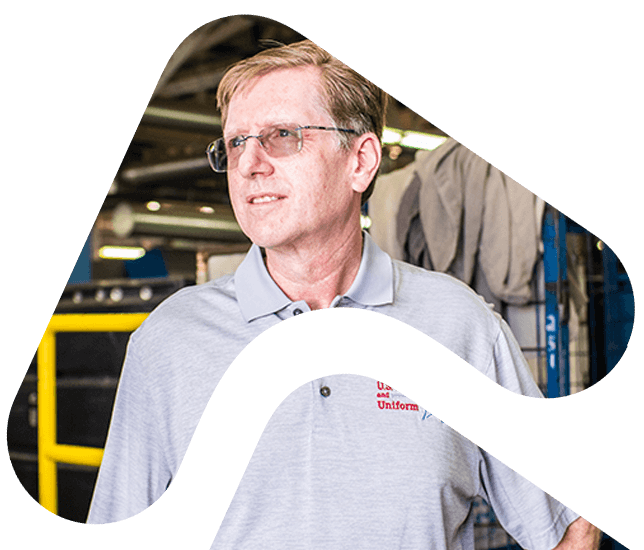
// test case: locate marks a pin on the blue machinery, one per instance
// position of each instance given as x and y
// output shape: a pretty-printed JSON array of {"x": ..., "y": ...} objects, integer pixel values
[
  {"x": 611, "y": 305},
  {"x": 610, "y": 320},
  {"x": 611, "y": 310}
]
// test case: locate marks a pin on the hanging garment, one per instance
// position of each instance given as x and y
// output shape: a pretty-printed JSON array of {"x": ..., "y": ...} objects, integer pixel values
[
  {"x": 453, "y": 212},
  {"x": 451, "y": 200},
  {"x": 384, "y": 205}
]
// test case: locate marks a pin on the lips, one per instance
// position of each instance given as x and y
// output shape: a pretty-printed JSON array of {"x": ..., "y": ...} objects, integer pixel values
[{"x": 264, "y": 198}]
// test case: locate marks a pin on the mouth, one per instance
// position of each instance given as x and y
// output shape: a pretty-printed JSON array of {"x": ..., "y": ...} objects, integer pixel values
[{"x": 264, "y": 199}]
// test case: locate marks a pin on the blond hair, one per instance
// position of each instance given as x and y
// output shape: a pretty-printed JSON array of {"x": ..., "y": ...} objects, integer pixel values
[{"x": 350, "y": 100}]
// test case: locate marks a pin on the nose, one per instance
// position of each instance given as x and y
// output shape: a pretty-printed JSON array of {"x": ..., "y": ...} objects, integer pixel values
[{"x": 254, "y": 159}]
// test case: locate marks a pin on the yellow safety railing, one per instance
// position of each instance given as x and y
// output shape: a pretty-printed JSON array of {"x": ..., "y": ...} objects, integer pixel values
[{"x": 50, "y": 452}]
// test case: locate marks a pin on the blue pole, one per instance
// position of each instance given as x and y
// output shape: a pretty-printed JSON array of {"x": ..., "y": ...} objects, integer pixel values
[
  {"x": 551, "y": 273},
  {"x": 555, "y": 272}
]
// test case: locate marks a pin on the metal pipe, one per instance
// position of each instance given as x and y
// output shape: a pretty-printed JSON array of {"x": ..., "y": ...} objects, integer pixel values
[
  {"x": 216, "y": 222},
  {"x": 167, "y": 170},
  {"x": 185, "y": 120}
]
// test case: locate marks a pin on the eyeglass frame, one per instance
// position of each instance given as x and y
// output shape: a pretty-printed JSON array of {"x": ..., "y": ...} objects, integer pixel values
[{"x": 212, "y": 147}]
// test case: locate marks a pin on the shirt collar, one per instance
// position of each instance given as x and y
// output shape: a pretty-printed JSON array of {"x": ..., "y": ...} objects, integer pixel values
[{"x": 259, "y": 295}]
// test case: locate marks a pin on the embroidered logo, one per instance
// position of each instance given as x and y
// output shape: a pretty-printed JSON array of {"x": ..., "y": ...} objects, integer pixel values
[{"x": 391, "y": 400}]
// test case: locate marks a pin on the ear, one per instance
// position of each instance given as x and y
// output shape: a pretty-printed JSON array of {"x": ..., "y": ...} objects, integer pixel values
[{"x": 367, "y": 152}]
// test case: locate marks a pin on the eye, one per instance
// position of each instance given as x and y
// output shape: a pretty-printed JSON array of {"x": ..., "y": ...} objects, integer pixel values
[
  {"x": 236, "y": 141},
  {"x": 283, "y": 132}
]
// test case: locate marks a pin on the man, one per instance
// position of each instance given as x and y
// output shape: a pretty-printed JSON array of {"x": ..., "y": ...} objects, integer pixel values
[{"x": 335, "y": 468}]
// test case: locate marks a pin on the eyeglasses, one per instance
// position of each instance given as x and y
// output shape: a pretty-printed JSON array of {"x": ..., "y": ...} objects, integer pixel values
[{"x": 280, "y": 140}]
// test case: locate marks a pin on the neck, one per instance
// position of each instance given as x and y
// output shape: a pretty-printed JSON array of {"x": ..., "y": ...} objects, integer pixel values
[{"x": 317, "y": 276}]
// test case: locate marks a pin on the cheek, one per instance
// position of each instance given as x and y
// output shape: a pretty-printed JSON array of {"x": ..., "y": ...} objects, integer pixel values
[
  {"x": 236, "y": 200},
  {"x": 234, "y": 184},
  {"x": 323, "y": 180}
]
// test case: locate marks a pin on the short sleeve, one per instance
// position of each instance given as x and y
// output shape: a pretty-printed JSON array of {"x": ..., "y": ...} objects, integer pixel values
[
  {"x": 532, "y": 517},
  {"x": 508, "y": 366}
]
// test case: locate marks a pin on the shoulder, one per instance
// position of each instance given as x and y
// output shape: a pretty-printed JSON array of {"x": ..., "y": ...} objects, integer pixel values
[
  {"x": 439, "y": 291},
  {"x": 447, "y": 310},
  {"x": 189, "y": 308}
]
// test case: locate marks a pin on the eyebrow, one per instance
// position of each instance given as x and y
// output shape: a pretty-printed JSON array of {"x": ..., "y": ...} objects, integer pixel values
[{"x": 263, "y": 127}]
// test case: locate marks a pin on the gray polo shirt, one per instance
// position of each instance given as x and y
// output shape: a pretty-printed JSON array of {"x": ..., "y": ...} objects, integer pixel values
[
  {"x": 345, "y": 461},
  {"x": 348, "y": 462}
]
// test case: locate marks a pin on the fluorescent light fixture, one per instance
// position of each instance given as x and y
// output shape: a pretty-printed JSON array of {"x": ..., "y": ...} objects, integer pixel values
[
  {"x": 153, "y": 206},
  {"x": 121, "y": 252},
  {"x": 184, "y": 116},
  {"x": 391, "y": 136},
  {"x": 418, "y": 140},
  {"x": 414, "y": 140}
]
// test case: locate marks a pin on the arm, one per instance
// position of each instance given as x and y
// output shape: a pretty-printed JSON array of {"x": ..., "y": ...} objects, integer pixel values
[
  {"x": 133, "y": 472},
  {"x": 580, "y": 535}
]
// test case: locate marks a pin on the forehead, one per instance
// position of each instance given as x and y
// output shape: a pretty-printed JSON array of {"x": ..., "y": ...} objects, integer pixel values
[{"x": 283, "y": 95}]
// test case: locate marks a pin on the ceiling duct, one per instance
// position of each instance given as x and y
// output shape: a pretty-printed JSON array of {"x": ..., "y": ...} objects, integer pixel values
[
  {"x": 212, "y": 222},
  {"x": 184, "y": 120},
  {"x": 167, "y": 170}
]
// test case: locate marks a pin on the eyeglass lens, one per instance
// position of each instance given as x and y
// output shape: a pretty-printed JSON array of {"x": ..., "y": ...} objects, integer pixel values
[{"x": 277, "y": 141}]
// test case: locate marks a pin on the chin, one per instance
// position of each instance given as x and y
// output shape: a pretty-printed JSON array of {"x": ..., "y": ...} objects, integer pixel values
[
  {"x": 272, "y": 242},
  {"x": 263, "y": 239}
]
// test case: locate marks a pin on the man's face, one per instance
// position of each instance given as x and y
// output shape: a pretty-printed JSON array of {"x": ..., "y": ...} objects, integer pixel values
[{"x": 302, "y": 199}]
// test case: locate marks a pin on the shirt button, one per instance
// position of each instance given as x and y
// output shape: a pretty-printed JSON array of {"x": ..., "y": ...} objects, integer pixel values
[
  {"x": 325, "y": 391},
  {"x": 297, "y": 311}
]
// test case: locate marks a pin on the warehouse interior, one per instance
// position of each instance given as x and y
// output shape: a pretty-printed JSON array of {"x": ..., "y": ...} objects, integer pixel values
[{"x": 167, "y": 223}]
